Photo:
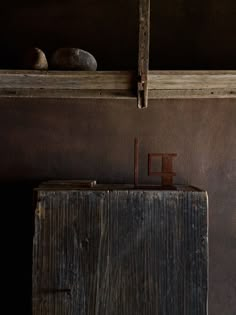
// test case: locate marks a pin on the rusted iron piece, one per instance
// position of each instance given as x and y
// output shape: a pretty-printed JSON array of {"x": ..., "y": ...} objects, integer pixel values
[
  {"x": 136, "y": 161},
  {"x": 167, "y": 173}
]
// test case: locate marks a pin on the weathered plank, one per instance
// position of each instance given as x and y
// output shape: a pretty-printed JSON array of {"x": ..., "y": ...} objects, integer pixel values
[
  {"x": 191, "y": 80},
  {"x": 192, "y": 84},
  {"x": 192, "y": 94},
  {"x": 67, "y": 93},
  {"x": 117, "y": 85},
  {"x": 120, "y": 252},
  {"x": 72, "y": 80},
  {"x": 143, "y": 59}
]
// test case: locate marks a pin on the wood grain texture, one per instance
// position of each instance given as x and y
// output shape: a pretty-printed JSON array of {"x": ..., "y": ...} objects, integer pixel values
[
  {"x": 67, "y": 93},
  {"x": 117, "y": 85},
  {"x": 120, "y": 252},
  {"x": 73, "y": 80},
  {"x": 192, "y": 84},
  {"x": 143, "y": 56},
  {"x": 190, "y": 80}
]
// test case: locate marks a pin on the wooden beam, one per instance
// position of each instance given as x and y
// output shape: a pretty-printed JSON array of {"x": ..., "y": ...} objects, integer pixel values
[
  {"x": 67, "y": 94},
  {"x": 117, "y": 85},
  {"x": 185, "y": 80},
  {"x": 192, "y": 94},
  {"x": 62, "y": 80},
  {"x": 143, "y": 60},
  {"x": 191, "y": 84},
  {"x": 60, "y": 84}
]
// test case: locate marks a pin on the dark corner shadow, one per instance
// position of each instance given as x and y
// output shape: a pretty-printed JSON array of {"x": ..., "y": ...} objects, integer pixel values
[{"x": 17, "y": 234}]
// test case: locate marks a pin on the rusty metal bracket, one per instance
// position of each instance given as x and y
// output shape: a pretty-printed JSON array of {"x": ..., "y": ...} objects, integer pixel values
[
  {"x": 143, "y": 58},
  {"x": 167, "y": 173}
]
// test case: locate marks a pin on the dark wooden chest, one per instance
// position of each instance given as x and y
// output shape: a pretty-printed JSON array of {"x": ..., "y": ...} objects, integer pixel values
[{"x": 120, "y": 251}]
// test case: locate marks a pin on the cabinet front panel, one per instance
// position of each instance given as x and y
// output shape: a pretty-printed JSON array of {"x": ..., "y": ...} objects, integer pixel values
[{"x": 120, "y": 253}]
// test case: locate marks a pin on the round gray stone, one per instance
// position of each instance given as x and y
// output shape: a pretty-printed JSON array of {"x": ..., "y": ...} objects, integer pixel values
[{"x": 73, "y": 59}]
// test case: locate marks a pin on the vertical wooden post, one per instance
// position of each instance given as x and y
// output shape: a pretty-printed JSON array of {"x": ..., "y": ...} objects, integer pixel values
[{"x": 143, "y": 59}]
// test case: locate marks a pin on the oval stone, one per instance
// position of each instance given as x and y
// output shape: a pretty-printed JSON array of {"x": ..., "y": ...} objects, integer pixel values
[{"x": 73, "y": 59}]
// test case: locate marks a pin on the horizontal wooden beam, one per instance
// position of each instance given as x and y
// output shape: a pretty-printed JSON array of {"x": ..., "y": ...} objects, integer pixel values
[
  {"x": 192, "y": 84},
  {"x": 66, "y": 93},
  {"x": 67, "y": 80},
  {"x": 117, "y": 85},
  {"x": 191, "y": 80}
]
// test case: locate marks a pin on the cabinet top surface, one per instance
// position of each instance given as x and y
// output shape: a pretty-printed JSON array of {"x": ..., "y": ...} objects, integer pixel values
[{"x": 78, "y": 185}]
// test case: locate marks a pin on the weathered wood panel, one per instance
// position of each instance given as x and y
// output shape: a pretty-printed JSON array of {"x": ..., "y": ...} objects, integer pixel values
[
  {"x": 72, "y": 80},
  {"x": 67, "y": 93},
  {"x": 190, "y": 80},
  {"x": 117, "y": 85},
  {"x": 120, "y": 252}
]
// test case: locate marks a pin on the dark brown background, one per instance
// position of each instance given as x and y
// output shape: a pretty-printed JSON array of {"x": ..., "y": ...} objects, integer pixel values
[
  {"x": 57, "y": 139},
  {"x": 185, "y": 34}
]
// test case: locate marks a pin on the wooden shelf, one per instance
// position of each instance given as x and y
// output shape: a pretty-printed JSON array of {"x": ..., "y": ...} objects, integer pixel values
[
  {"x": 58, "y": 84},
  {"x": 141, "y": 85},
  {"x": 117, "y": 85},
  {"x": 191, "y": 84}
]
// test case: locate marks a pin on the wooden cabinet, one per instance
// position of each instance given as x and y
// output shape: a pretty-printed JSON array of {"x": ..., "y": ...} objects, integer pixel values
[{"x": 120, "y": 251}]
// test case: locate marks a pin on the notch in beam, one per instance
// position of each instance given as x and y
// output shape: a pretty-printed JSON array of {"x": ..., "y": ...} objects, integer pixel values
[{"x": 143, "y": 59}]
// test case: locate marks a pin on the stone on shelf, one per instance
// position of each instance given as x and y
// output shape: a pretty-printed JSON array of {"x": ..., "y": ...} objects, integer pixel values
[
  {"x": 35, "y": 59},
  {"x": 73, "y": 59}
]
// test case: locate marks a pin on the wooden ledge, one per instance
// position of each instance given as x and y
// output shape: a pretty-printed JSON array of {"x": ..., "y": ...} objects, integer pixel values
[
  {"x": 192, "y": 84},
  {"x": 117, "y": 85}
]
